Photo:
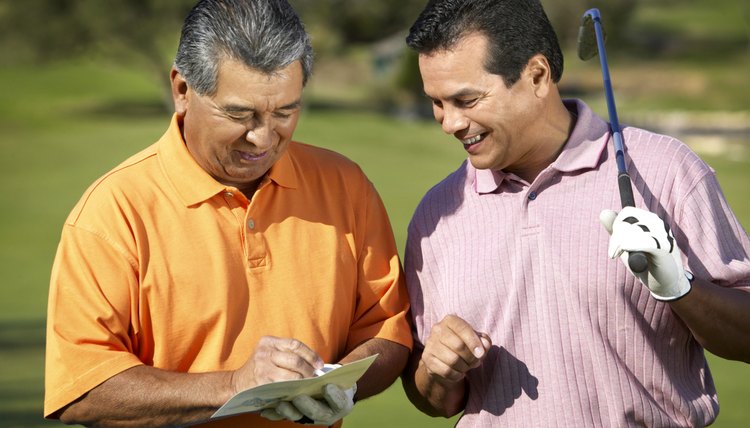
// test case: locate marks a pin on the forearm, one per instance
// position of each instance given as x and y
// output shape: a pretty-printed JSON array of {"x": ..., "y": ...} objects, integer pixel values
[
  {"x": 384, "y": 370},
  {"x": 429, "y": 395},
  {"x": 146, "y": 396},
  {"x": 719, "y": 318}
]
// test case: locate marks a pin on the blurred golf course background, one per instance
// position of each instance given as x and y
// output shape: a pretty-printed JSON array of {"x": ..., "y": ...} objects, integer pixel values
[{"x": 69, "y": 115}]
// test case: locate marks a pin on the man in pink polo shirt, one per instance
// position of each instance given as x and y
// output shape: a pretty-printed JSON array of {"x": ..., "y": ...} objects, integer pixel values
[{"x": 523, "y": 316}]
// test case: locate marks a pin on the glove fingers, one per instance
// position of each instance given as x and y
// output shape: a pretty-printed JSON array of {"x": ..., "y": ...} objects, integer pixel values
[
  {"x": 289, "y": 411},
  {"x": 607, "y": 218},
  {"x": 645, "y": 233},
  {"x": 272, "y": 415},
  {"x": 312, "y": 408},
  {"x": 336, "y": 397},
  {"x": 635, "y": 240}
]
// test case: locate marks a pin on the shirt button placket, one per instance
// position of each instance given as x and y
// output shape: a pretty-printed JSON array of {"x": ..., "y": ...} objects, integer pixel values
[
  {"x": 256, "y": 248},
  {"x": 529, "y": 210}
]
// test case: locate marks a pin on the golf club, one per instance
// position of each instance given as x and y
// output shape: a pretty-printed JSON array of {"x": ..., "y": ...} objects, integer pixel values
[{"x": 591, "y": 42}]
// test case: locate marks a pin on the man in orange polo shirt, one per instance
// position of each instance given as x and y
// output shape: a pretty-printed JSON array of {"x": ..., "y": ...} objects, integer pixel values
[{"x": 224, "y": 256}]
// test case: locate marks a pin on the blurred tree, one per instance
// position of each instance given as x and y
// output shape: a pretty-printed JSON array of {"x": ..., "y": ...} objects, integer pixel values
[
  {"x": 360, "y": 21},
  {"x": 144, "y": 32},
  {"x": 566, "y": 18},
  {"x": 363, "y": 21}
]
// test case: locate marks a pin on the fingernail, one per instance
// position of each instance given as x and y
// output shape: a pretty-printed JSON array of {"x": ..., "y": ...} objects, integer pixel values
[{"x": 478, "y": 352}]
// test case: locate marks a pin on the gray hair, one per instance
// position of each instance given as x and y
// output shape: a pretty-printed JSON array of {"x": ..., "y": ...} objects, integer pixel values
[{"x": 266, "y": 35}]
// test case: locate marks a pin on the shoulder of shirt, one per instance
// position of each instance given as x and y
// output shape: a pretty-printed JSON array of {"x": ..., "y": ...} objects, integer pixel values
[
  {"x": 319, "y": 153},
  {"x": 644, "y": 144},
  {"x": 126, "y": 177},
  {"x": 324, "y": 161},
  {"x": 446, "y": 189}
]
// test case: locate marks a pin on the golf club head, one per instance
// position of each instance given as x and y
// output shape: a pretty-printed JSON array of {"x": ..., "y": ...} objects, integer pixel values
[{"x": 587, "y": 46}]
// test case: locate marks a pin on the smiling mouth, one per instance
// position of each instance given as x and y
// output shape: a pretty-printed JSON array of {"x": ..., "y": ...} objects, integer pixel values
[
  {"x": 473, "y": 140},
  {"x": 251, "y": 157}
]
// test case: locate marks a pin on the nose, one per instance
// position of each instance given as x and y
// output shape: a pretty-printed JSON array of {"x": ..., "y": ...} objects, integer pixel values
[
  {"x": 261, "y": 136},
  {"x": 452, "y": 120}
]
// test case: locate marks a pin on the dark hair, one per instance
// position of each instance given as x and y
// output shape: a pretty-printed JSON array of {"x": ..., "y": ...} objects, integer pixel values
[
  {"x": 266, "y": 35},
  {"x": 516, "y": 31}
]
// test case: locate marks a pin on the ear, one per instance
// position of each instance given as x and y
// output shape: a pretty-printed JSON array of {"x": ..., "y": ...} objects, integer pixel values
[
  {"x": 538, "y": 74},
  {"x": 179, "y": 92}
]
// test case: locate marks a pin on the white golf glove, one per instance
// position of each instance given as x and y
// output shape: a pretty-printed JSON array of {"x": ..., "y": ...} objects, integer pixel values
[
  {"x": 336, "y": 404},
  {"x": 634, "y": 229}
]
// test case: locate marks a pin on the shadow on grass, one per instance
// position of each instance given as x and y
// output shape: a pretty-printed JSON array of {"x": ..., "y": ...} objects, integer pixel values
[
  {"x": 22, "y": 335},
  {"x": 22, "y": 387},
  {"x": 22, "y": 419},
  {"x": 651, "y": 43}
]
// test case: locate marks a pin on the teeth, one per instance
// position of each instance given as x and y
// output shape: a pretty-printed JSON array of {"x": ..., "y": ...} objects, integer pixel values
[{"x": 472, "y": 140}]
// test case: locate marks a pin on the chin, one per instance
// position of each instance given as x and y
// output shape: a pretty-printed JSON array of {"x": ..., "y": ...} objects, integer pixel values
[{"x": 479, "y": 163}]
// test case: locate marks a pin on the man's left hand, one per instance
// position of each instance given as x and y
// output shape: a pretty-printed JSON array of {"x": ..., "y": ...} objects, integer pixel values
[
  {"x": 336, "y": 404},
  {"x": 634, "y": 229}
]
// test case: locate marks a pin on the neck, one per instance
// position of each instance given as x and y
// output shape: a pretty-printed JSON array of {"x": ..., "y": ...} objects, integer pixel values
[
  {"x": 249, "y": 189},
  {"x": 551, "y": 135}
]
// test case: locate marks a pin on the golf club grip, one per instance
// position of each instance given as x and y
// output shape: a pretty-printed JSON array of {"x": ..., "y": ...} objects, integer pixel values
[
  {"x": 626, "y": 190},
  {"x": 637, "y": 259}
]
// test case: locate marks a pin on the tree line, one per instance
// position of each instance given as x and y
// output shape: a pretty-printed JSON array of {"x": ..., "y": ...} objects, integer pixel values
[{"x": 144, "y": 33}]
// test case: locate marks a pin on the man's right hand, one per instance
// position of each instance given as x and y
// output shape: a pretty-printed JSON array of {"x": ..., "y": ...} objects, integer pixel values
[
  {"x": 452, "y": 349},
  {"x": 276, "y": 359},
  {"x": 159, "y": 397}
]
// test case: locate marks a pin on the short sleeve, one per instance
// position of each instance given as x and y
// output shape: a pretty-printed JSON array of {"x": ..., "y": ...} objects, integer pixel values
[
  {"x": 717, "y": 247},
  {"x": 419, "y": 280},
  {"x": 89, "y": 312},
  {"x": 382, "y": 301}
]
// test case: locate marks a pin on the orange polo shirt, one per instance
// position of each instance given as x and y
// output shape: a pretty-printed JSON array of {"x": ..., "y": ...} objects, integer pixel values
[{"x": 159, "y": 264}]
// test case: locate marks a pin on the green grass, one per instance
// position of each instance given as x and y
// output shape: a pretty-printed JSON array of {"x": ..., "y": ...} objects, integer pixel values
[
  {"x": 716, "y": 19},
  {"x": 65, "y": 125}
]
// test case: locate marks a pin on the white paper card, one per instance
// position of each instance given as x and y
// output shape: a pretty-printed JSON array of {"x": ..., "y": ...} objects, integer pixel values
[{"x": 270, "y": 394}]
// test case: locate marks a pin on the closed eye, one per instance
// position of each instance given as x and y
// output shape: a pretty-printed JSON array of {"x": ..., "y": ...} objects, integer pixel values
[
  {"x": 238, "y": 114},
  {"x": 286, "y": 111},
  {"x": 466, "y": 103},
  {"x": 283, "y": 114},
  {"x": 240, "y": 117}
]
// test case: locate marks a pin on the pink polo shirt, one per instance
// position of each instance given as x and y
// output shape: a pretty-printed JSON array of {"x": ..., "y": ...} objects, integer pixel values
[{"x": 577, "y": 341}]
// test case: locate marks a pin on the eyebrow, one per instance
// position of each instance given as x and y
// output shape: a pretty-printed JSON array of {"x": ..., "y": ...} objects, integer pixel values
[
  {"x": 239, "y": 108},
  {"x": 466, "y": 92}
]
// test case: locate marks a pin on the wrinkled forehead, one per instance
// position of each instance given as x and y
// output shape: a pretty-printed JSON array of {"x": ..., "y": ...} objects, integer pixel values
[{"x": 237, "y": 81}]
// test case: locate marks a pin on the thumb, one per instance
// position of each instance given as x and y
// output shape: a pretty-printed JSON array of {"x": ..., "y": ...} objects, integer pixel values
[
  {"x": 607, "y": 218},
  {"x": 486, "y": 341}
]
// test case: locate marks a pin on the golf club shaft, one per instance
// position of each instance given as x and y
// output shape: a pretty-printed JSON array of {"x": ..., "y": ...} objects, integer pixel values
[{"x": 636, "y": 260}]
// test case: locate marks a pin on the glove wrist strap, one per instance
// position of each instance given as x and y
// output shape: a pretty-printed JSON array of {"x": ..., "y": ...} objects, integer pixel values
[{"x": 685, "y": 287}]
